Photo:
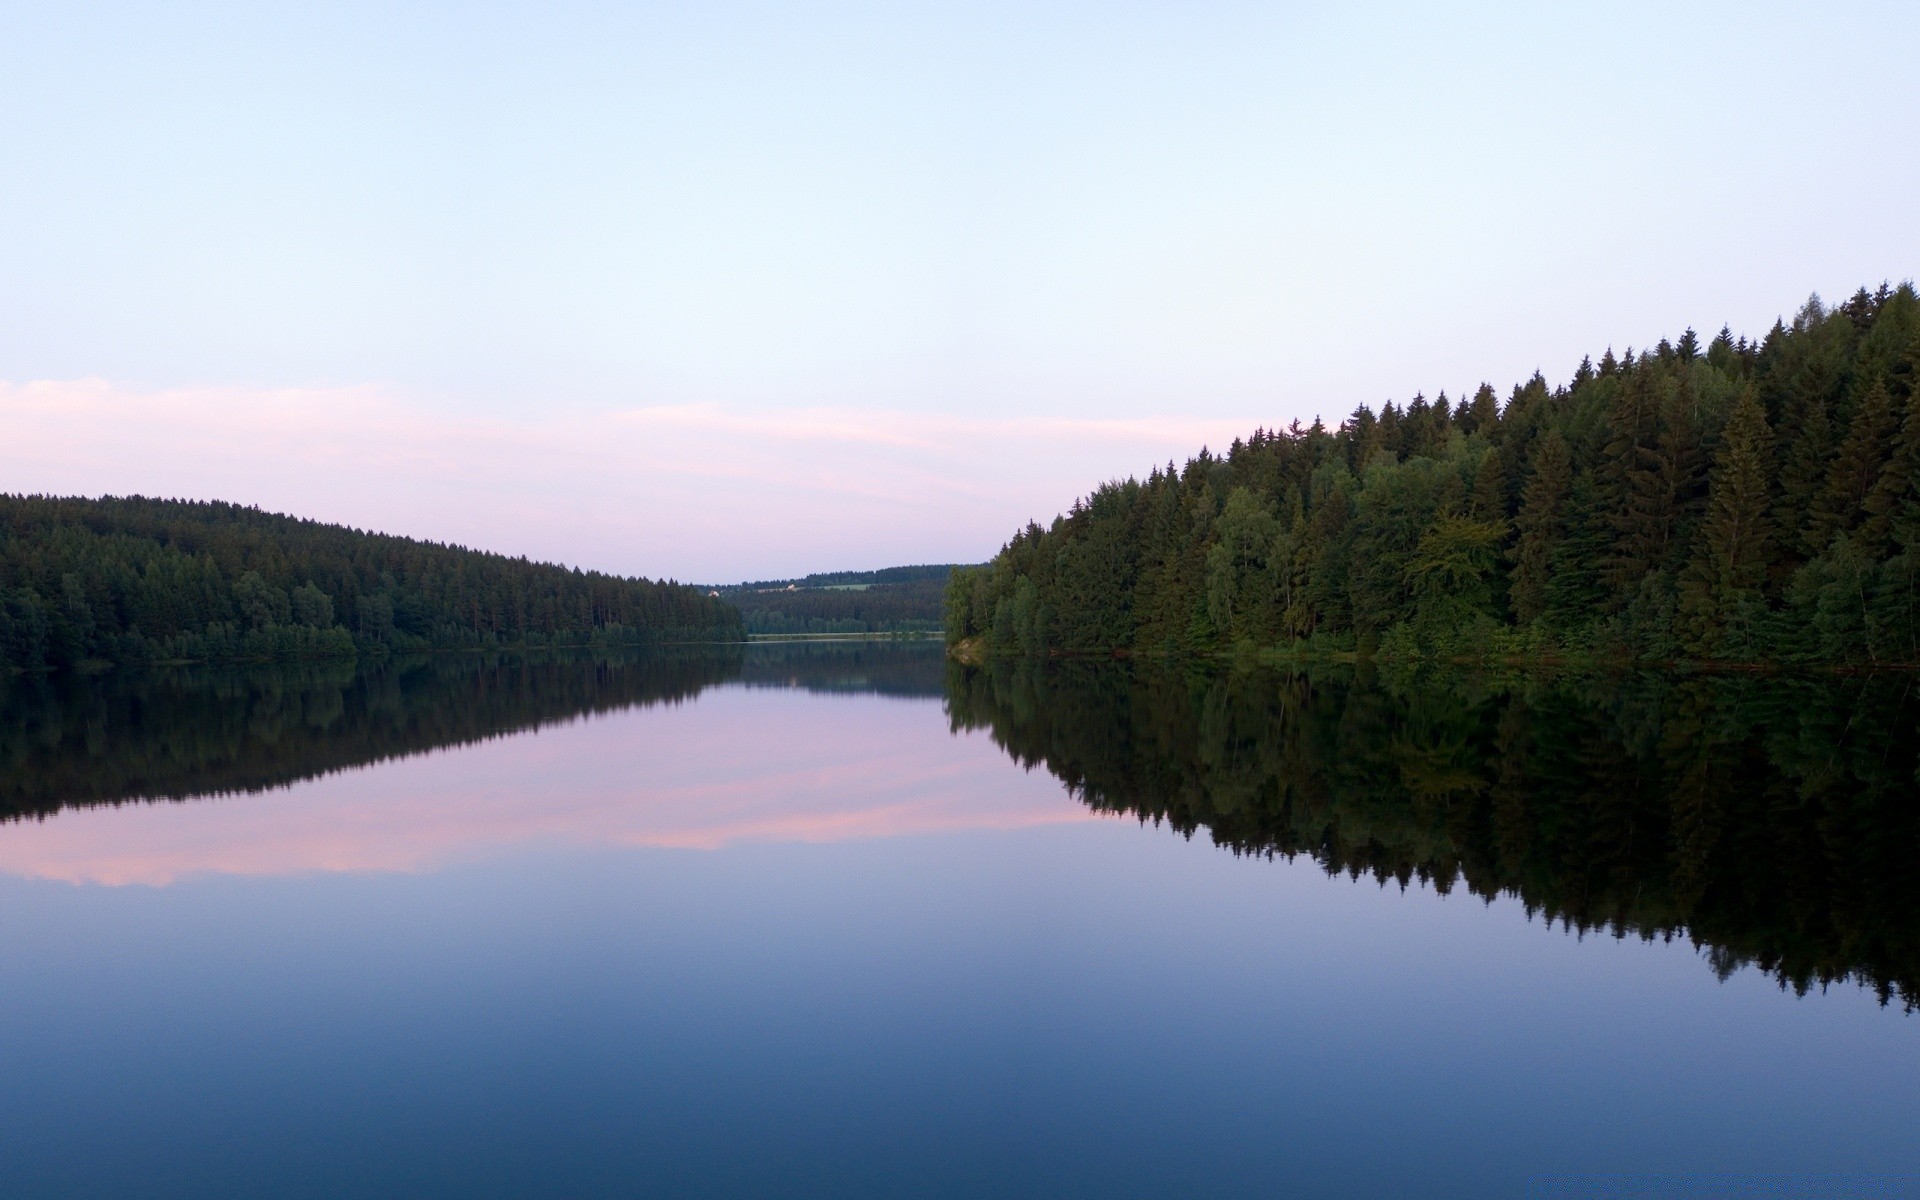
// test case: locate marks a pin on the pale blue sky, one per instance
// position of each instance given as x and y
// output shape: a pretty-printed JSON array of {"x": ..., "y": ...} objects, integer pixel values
[{"x": 1062, "y": 211}]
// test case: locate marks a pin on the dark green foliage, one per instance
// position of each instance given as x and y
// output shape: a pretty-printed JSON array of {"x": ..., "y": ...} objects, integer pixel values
[
  {"x": 130, "y": 580},
  {"x": 1769, "y": 818},
  {"x": 1543, "y": 526},
  {"x": 1722, "y": 594},
  {"x": 1741, "y": 501}
]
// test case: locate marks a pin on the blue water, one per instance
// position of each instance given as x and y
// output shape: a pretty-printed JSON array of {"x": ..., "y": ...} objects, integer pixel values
[{"x": 1037, "y": 1003}]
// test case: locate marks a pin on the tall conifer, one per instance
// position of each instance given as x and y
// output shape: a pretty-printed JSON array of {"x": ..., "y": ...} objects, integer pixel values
[
  {"x": 1855, "y": 467},
  {"x": 1629, "y": 482},
  {"x": 1541, "y": 522},
  {"x": 1722, "y": 586},
  {"x": 1481, "y": 414},
  {"x": 1894, "y": 498},
  {"x": 1803, "y": 476}
]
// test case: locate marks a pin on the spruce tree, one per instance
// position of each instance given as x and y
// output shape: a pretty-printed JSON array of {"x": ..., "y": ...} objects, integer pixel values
[
  {"x": 1721, "y": 591},
  {"x": 1803, "y": 464},
  {"x": 1480, "y": 414},
  {"x": 1630, "y": 482},
  {"x": 1392, "y": 433},
  {"x": 1853, "y": 470},
  {"x": 1541, "y": 524},
  {"x": 1363, "y": 438},
  {"x": 1720, "y": 352},
  {"x": 1903, "y": 378},
  {"x": 1418, "y": 434},
  {"x": 1895, "y": 490},
  {"x": 1488, "y": 500}
]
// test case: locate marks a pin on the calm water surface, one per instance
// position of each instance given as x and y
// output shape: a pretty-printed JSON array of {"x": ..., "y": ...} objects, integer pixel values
[{"x": 846, "y": 921}]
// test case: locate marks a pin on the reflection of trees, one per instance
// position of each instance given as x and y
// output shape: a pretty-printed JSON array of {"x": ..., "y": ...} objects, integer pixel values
[
  {"x": 177, "y": 734},
  {"x": 68, "y": 740},
  {"x": 1773, "y": 820},
  {"x": 892, "y": 668}
]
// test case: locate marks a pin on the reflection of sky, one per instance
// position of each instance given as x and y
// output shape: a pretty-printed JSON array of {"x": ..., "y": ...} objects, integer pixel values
[
  {"x": 517, "y": 983},
  {"x": 737, "y": 765}
]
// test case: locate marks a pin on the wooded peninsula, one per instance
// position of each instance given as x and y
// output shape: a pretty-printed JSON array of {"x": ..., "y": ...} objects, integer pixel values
[
  {"x": 1742, "y": 501},
  {"x": 134, "y": 580}
]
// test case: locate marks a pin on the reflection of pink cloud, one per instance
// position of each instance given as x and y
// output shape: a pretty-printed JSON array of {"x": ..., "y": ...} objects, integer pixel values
[
  {"x": 735, "y": 766},
  {"x": 690, "y": 491}
]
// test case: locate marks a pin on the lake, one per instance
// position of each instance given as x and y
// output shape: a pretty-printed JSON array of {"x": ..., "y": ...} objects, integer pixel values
[{"x": 848, "y": 920}]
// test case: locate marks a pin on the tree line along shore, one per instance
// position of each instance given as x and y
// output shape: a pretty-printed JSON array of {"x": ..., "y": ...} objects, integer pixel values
[{"x": 1736, "y": 501}]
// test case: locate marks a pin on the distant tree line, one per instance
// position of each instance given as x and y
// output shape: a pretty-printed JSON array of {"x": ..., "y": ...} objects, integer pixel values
[
  {"x": 131, "y": 580},
  {"x": 894, "y": 600},
  {"x": 1770, "y": 818},
  {"x": 936, "y": 572},
  {"x": 1740, "y": 501}
]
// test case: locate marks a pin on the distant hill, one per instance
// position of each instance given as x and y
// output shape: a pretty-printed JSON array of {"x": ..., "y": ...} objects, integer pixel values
[
  {"x": 890, "y": 600},
  {"x": 129, "y": 579}
]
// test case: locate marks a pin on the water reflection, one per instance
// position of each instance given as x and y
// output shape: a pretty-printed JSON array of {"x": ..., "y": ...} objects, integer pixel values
[
  {"x": 1773, "y": 820},
  {"x": 759, "y": 762},
  {"x": 70, "y": 741}
]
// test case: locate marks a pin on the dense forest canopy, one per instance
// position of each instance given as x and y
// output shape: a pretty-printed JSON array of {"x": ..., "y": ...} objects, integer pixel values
[
  {"x": 1768, "y": 817},
  {"x": 890, "y": 600},
  {"x": 1735, "y": 500},
  {"x": 132, "y": 580}
]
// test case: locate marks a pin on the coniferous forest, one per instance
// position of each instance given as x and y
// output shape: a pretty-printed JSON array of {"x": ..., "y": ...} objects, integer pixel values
[
  {"x": 132, "y": 580},
  {"x": 1738, "y": 501}
]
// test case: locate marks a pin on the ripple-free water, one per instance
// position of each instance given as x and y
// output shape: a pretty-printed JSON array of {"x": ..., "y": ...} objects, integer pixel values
[{"x": 794, "y": 923}]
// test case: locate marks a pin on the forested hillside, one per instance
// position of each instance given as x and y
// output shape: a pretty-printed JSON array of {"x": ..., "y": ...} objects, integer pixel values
[
  {"x": 137, "y": 580},
  {"x": 1743, "y": 501}
]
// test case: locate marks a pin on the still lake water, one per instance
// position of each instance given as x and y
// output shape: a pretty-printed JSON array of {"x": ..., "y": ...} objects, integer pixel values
[{"x": 831, "y": 920}]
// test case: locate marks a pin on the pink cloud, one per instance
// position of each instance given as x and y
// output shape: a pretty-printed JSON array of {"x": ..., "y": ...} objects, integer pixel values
[
  {"x": 689, "y": 491},
  {"x": 737, "y": 765}
]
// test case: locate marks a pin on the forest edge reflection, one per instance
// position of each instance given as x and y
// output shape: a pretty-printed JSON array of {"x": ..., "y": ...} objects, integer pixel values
[
  {"x": 1771, "y": 819},
  {"x": 68, "y": 740},
  {"x": 754, "y": 762}
]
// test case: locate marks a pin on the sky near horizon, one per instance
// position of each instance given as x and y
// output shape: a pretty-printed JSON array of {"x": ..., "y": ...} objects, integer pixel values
[{"x": 736, "y": 291}]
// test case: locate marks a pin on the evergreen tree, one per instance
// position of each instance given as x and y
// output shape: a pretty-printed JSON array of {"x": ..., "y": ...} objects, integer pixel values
[
  {"x": 1851, "y": 474},
  {"x": 1541, "y": 524},
  {"x": 1631, "y": 483},
  {"x": 1896, "y": 490},
  {"x": 1721, "y": 593},
  {"x": 1481, "y": 414},
  {"x": 1804, "y": 476}
]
